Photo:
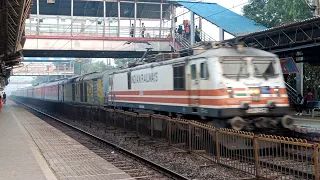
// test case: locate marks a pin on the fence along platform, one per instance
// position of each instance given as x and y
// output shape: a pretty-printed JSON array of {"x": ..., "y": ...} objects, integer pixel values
[{"x": 264, "y": 156}]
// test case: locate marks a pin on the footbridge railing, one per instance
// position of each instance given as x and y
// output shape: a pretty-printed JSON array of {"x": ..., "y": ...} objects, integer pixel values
[{"x": 292, "y": 94}]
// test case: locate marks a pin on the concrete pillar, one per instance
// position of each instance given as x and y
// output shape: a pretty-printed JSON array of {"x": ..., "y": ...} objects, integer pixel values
[
  {"x": 135, "y": 19},
  {"x": 200, "y": 23},
  {"x": 173, "y": 23},
  {"x": 38, "y": 20},
  {"x": 299, "y": 77},
  {"x": 192, "y": 28},
  {"x": 118, "y": 18},
  {"x": 316, "y": 3},
  {"x": 104, "y": 18},
  {"x": 71, "y": 18},
  {"x": 221, "y": 34},
  {"x": 160, "y": 19},
  {"x": 58, "y": 22}
]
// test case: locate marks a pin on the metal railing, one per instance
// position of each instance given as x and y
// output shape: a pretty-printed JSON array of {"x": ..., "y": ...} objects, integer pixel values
[
  {"x": 184, "y": 43},
  {"x": 94, "y": 31},
  {"x": 271, "y": 157},
  {"x": 292, "y": 94},
  {"x": 205, "y": 37}
]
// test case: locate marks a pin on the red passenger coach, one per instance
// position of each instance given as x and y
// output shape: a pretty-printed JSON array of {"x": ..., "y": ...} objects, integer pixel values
[{"x": 51, "y": 91}]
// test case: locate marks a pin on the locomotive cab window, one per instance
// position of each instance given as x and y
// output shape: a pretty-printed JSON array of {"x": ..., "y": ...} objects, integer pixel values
[
  {"x": 193, "y": 71},
  {"x": 234, "y": 67},
  {"x": 204, "y": 73},
  {"x": 264, "y": 67},
  {"x": 179, "y": 78}
]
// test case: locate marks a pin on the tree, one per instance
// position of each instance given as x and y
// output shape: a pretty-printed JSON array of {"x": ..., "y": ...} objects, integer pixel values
[
  {"x": 272, "y": 13},
  {"x": 123, "y": 62},
  {"x": 88, "y": 66},
  {"x": 311, "y": 78}
]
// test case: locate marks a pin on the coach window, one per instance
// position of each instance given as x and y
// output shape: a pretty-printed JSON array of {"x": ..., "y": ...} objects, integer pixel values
[
  {"x": 179, "y": 78},
  {"x": 85, "y": 92},
  {"x": 73, "y": 92},
  {"x": 81, "y": 92},
  {"x": 204, "y": 73},
  {"x": 193, "y": 71},
  {"x": 129, "y": 80}
]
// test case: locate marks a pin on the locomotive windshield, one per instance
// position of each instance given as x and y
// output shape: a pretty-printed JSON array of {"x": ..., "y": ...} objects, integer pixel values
[
  {"x": 264, "y": 68},
  {"x": 234, "y": 67}
]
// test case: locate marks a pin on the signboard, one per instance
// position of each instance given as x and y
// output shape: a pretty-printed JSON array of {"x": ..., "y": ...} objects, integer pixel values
[{"x": 288, "y": 66}]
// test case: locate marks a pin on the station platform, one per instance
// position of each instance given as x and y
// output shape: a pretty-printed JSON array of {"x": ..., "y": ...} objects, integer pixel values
[{"x": 31, "y": 149}]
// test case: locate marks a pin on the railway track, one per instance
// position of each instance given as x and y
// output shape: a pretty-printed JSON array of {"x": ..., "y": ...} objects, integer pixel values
[
  {"x": 282, "y": 161},
  {"x": 131, "y": 163},
  {"x": 173, "y": 158}
]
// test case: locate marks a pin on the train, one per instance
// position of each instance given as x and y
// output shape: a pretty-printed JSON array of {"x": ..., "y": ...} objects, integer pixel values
[{"x": 224, "y": 86}]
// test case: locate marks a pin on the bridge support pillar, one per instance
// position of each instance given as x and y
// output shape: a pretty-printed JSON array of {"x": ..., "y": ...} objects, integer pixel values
[
  {"x": 135, "y": 19},
  {"x": 71, "y": 18},
  {"x": 299, "y": 76},
  {"x": 118, "y": 18},
  {"x": 38, "y": 20},
  {"x": 221, "y": 34},
  {"x": 192, "y": 28},
  {"x": 173, "y": 22},
  {"x": 104, "y": 19},
  {"x": 160, "y": 18}
]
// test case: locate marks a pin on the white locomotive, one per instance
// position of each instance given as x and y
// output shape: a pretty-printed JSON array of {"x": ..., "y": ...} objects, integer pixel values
[{"x": 241, "y": 87}]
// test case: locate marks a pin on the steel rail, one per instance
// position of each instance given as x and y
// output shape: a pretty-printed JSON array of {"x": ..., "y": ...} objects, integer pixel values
[{"x": 151, "y": 164}]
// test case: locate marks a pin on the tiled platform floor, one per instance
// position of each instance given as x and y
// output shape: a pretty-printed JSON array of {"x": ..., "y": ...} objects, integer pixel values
[{"x": 67, "y": 158}]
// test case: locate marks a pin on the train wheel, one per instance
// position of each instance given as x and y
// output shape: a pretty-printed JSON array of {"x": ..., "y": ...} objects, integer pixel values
[
  {"x": 237, "y": 123},
  {"x": 287, "y": 121}
]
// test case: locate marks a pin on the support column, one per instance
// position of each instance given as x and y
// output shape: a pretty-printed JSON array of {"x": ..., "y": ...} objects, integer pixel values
[
  {"x": 38, "y": 20},
  {"x": 173, "y": 22},
  {"x": 119, "y": 18},
  {"x": 299, "y": 76},
  {"x": 316, "y": 3},
  {"x": 135, "y": 19},
  {"x": 221, "y": 34},
  {"x": 71, "y": 18},
  {"x": 160, "y": 19},
  {"x": 58, "y": 22},
  {"x": 192, "y": 28},
  {"x": 200, "y": 23},
  {"x": 104, "y": 18}
]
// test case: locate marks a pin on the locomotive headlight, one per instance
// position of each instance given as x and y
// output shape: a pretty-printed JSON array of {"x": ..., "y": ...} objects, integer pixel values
[
  {"x": 254, "y": 91},
  {"x": 230, "y": 92}
]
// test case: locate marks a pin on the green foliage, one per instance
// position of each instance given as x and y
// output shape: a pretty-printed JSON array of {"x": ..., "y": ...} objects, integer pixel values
[
  {"x": 123, "y": 62},
  {"x": 311, "y": 76},
  {"x": 42, "y": 79},
  {"x": 88, "y": 66},
  {"x": 272, "y": 13}
]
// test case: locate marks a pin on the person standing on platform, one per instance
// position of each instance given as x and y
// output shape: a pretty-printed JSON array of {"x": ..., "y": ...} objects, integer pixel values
[
  {"x": 197, "y": 34},
  {"x": 4, "y": 97},
  {"x": 0, "y": 103},
  {"x": 143, "y": 29},
  {"x": 180, "y": 30},
  {"x": 187, "y": 31},
  {"x": 132, "y": 30}
]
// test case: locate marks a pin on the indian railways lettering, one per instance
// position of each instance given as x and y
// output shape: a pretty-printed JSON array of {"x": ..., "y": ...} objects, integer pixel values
[{"x": 144, "y": 78}]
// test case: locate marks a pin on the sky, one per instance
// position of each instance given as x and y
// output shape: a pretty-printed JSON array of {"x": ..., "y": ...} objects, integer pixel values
[{"x": 234, "y": 5}]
